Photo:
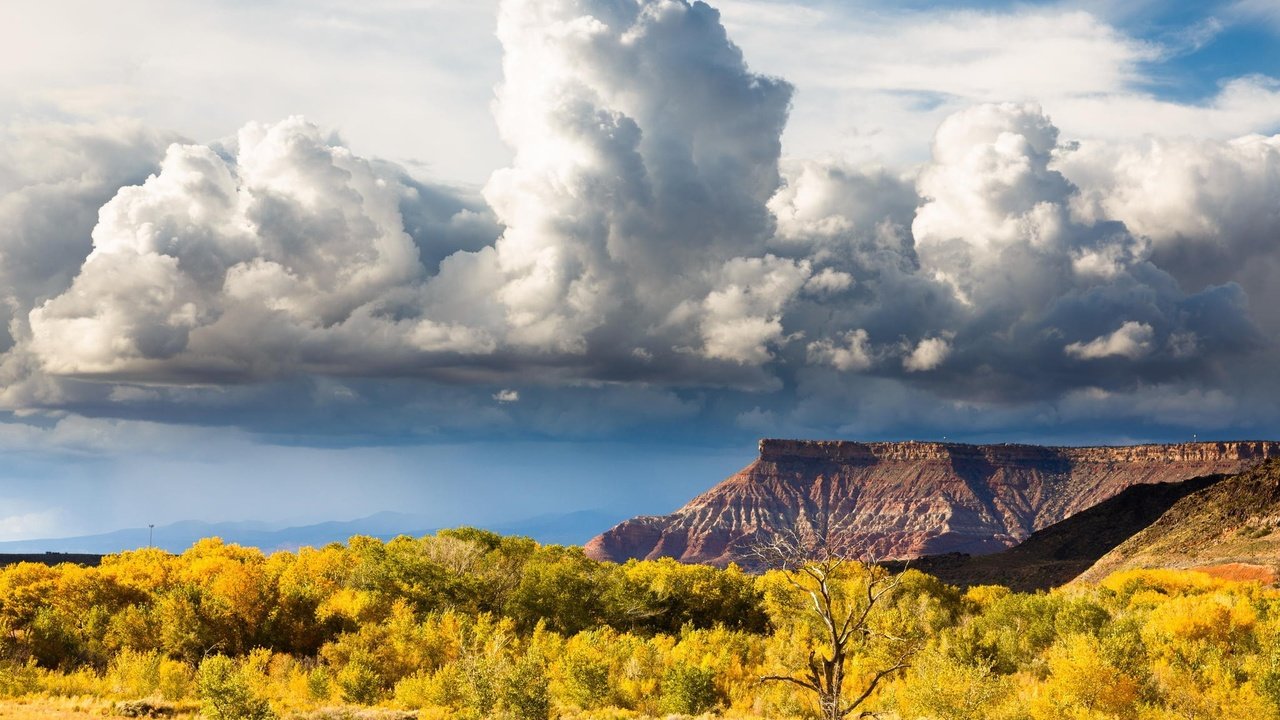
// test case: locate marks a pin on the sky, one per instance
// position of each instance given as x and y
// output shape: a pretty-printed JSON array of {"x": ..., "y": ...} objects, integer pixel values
[{"x": 295, "y": 260}]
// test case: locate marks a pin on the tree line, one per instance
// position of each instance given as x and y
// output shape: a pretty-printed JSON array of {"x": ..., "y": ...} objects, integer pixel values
[{"x": 470, "y": 624}]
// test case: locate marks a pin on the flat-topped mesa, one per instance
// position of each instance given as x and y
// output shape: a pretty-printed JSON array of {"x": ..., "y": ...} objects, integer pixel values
[
  {"x": 847, "y": 451},
  {"x": 905, "y": 499},
  {"x": 1250, "y": 451}
]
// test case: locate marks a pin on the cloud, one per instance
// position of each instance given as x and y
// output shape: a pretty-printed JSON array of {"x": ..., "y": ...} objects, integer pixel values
[
  {"x": 627, "y": 238},
  {"x": 823, "y": 203},
  {"x": 828, "y": 281},
  {"x": 1255, "y": 11},
  {"x": 853, "y": 356},
  {"x": 648, "y": 248},
  {"x": 990, "y": 181},
  {"x": 1188, "y": 407},
  {"x": 877, "y": 78},
  {"x": 1001, "y": 228},
  {"x": 406, "y": 81},
  {"x": 42, "y": 523},
  {"x": 53, "y": 180},
  {"x": 742, "y": 317},
  {"x": 928, "y": 355},
  {"x": 1207, "y": 207},
  {"x": 78, "y": 436},
  {"x": 1131, "y": 340},
  {"x": 290, "y": 253},
  {"x": 630, "y": 192}
]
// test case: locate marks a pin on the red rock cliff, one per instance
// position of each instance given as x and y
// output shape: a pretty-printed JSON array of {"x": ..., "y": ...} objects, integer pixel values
[{"x": 906, "y": 499}]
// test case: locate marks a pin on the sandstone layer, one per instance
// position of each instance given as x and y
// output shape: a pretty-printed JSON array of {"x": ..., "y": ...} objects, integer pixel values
[{"x": 907, "y": 499}]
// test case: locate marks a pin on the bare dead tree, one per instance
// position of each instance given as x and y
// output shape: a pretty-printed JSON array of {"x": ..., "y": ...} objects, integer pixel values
[{"x": 817, "y": 571}]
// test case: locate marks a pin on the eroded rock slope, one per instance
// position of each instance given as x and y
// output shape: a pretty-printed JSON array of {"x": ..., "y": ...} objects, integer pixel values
[
  {"x": 1230, "y": 528},
  {"x": 908, "y": 499}
]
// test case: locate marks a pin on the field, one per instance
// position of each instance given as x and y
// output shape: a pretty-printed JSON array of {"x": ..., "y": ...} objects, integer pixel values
[{"x": 39, "y": 708}]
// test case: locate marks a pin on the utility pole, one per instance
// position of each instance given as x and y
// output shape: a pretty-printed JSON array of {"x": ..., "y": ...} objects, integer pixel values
[{"x": 151, "y": 534}]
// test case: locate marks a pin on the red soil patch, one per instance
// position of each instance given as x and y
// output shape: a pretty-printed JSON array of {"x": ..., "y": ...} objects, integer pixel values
[{"x": 1240, "y": 572}]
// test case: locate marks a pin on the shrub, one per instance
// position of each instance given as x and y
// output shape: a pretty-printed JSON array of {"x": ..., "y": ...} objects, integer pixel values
[
  {"x": 225, "y": 694},
  {"x": 145, "y": 709},
  {"x": 444, "y": 688},
  {"x": 353, "y": 714},
  {"x": 1253, "y": 532},
  {"x": 18, "y": 679},
  {"x": 524, "y": 691},
  {"x": 585, "y": 679},
  {"x": 74, "y": 684},
  {"x": 134, "y": 674},
  {"x": 482, "y": 678},
  {"x": 175, "y": 680},
  {"x": 358, "y": 683},
  {"x": 416, "y": 691},
  {"x": 318, "y": 683},
  {"x": 688, "y": 690}
]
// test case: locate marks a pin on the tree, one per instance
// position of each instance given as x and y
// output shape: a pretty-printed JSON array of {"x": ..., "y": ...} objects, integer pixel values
[
  {"x": 841, "y": 598},
  {"x": 688, "y": 690},
  {"x": 226, "y": 695}
]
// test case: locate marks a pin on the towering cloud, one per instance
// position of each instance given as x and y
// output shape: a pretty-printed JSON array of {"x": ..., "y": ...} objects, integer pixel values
[
  {"x": 635, "y": 215},
  {"x": 1209, "y": 208},
  {"x": 53, "y": 180},
  {"x": 1035, "y": 279}
]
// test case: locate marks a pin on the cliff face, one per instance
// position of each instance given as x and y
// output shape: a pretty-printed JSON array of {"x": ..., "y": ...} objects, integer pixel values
[{"x": 903, "y": 500}]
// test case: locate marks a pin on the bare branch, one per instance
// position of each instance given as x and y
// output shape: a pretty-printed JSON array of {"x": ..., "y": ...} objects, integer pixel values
[
  {"x": 822, "y": 574},
  {"x": 871, "y": 686},
  {"x": 788, "y": 678}
]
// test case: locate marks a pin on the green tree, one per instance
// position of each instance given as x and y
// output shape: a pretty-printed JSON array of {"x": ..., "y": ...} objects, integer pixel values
[
  {"x": 225, "y": 693},
  {"x": 524, "y": 691},
  {"x": 561, "y": 587},
  {"x": 688, "y": 690}
]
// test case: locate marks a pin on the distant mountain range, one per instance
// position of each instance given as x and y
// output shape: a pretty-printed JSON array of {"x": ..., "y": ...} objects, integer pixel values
[{"x": 573, "y": 528}]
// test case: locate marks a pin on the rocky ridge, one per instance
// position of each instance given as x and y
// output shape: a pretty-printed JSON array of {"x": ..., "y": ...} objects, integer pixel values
[
  {"x": 909, "y": 499},
  {"x": 1232, "y": 526},
  {"x": 1063, "y": 551}
]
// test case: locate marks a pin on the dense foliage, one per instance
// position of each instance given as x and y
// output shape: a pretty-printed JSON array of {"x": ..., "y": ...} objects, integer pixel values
[{"x": 468, "y": 624}]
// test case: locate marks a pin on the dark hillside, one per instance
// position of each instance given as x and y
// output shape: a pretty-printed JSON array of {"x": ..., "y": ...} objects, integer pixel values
[
  {"x": 1059, "y": 553},
  {"x": 1232, "y": 524}
]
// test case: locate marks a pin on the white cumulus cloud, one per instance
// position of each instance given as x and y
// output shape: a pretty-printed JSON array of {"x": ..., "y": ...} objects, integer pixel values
[
  {"x": 851, "y": 356},
  {"x": 1131, "y": 340},
  {"x": 928, "y": 355},
  {"x": 291, "y": 253}
]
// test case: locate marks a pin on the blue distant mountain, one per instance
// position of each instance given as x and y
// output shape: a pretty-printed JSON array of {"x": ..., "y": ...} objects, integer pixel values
[{"x": 574, "y": 528}]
